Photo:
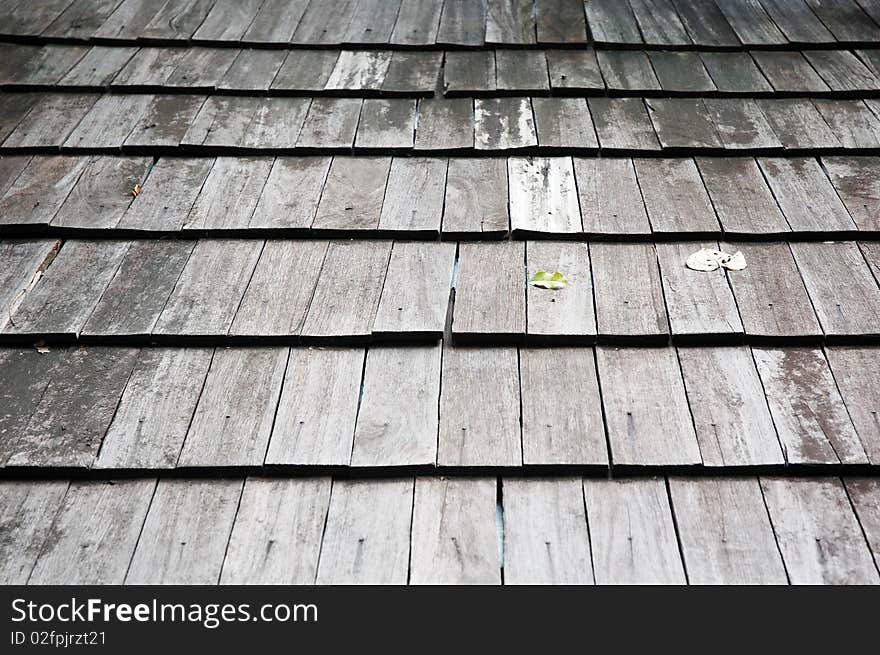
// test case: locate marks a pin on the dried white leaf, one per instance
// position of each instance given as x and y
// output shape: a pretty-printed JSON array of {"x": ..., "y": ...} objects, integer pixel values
[
  {"x": 735, "y": 262},
  {"x": 704, "y": 260}
]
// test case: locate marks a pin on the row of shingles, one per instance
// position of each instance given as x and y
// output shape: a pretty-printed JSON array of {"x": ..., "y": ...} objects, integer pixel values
[
  {"x": 428, "y": 530},
  {"x": 727, "y": 23},
  {"x": 162, "y": 408},
  {"x": 426, "y": 197},
  {"x": 187, "y": 123},
  {"x": 660, "y": 73},
  {"x": 219, "y": 70},
  {"x": 488, "y": 72}
]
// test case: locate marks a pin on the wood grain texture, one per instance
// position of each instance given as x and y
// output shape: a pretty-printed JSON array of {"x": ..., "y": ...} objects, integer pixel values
[
  {"x": 546, "y": 540},
  {"x": 454, "y": 532},
  {"x": 632, "y": 535},
  {"x": 503, "y": 124},
  {"x": 857, "y": 183},
  {"x": 610, "y": 199},
  {"x": 641, "y": 389},
  {"x": 367, "y": 536},
  {"x": 865, "y": 496},
  {"x": 480, "y": 408},
  {"x": 39, "y": 190},
  {"x": 674, "y": 195},
  {"x": 229, "y": 194},
  {"x": 168, "y": 195},
  {"x": 353, "y": 194},
  {"x": 855, "y": 369},
  {"x": 683, "y": 123},
  {"x": 277, "y": 206},
  {"x": 623, "y": 124},
  {"x": 22, "y": 263},
  {"x": 27, "y": 510},
  {"x": 467, "y": 209},
  {"x": 565, "y": 314},
  {"x": 543, "y": 195},
  {"x": 413, "y": 201},
  {"x": 330, "y": 123},
  {"x": 445, "y": 124},
  {"x": 386, "y": 124},
  {"x": 741, "y": 125}
]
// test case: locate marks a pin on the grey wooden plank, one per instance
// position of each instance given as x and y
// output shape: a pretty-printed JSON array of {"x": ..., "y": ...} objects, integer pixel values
[
  {"x": 367, "y": 535},
  {"x": 469, "y": 71},
  {"x": 227, "y": 21},
  {"x": 276, "y": 123},
  {"x": 641, "y": 389},
  {"x": 417, "y": 23},
  {"x": 103, "y": 192},
  {"x": 50, "y": 121},
  {"x": 790, "y": 72},
  {"x": 632, "y": 534},
  {"x": 280, "y": 290},
  {"x": 413, "y": 199},
  {"x": 851, "y": 121},
  {"x": 276, "y": 538},
  {"x": 627, "y": 70},
  {"x": 40, "y": 189},
  {"x": 233, "y": 419},
  {"x": 543, "y": 195},
  {"x": 854, "y": 369},
  {"x": 842, "y": 70},
  {"x": 277, "y": 206},
  {"x": 864, "y": 494},
  {"x": 740, "y": 196},
  {"x": 522, "y": 71},
  {"x": 610, "y": 199},
  {"x": 101, "y": 126},
  {"x": 222, "y": 122},
  {"x": 770, "y": 293},
  {"x": 229, "y": 194},
  {"x": 725, "y": 532},
  {"x": 11, "y": 167},
  {"x": 414, "y": 72},
  {"x": 416, "y": 293},
  {"x": 210, "y": 288},
  {"x": 841, "y": 287},
  {"x": 275, "y": 21},
  {"x": 386, "y": 124},
  {"x": 304, "y": 432},
  {"x": 730, "y": 412},
  {"x": 128, "y": 20},
  {"x": 735, "y": 72},
  {"x": 68, "y": 424},
  {"x": 65, "y": 297},
  {"x": 566, "y": 428},
  {"x": 805, "y": 195},
  {"x": 324, "y": 24},
  {"x": 454, "y": 532},
  {"x": 167, "y": 195},
  {"x": 750, "y": 22},
  {"x": 13, "y": 108},
  {"x": 564, "y": 123},
  {"x": 95, "y": 533},
  {"x": 165, "y": 121},
  {"x": 155, "y": 410},
  {"x": 467, "y": 209},
  {"x": 810, "y": 417},
  {"x": 797, "y": 124},
  {"x": 741, "y": 124},
  {"x": 659, "y": 23},
  {"x": 252, "y": 70},
  {"x": 797, "y": 22},
  {"x": 26, "y": 375},
  {"x": 372, "y": 21},
  {"x": 675, "y": 196},
  {"x": 148, "y": 68},
  {"x": 22, "y": 263},
  {"x": 546, "y": 540},
  {"x": 186, "y": 532},
  {"x": 857, "y": 182},
  {"x": 176, "y": 20},
  {"x": 510, "y": 21},
  {"x": 137, "y": 293},
  {"x": 445, "y": 124},
  {"x": 81, "y": 18},
  {"x": 623, "y": 124},
  {"x": 305, "y": 70},
  {"x": 574, "y": 70},
  {"x": 705, "y": 24},
  {"x": 397, "y": 424},
  {"x": 683, "y": 123},
  {"x": 330, "y": 123},
  {"x": 560, "y": 21},
  {"x": 628, "y": 290},
  {"x": 845, "y": 20},
  {"x": 353, "y": 194},
  {"x": 40, "y": 65},
  {"x": 359, "y": 70},
  {"x": 348, "y": 290},
  {"x": 568, "y": 313},
  {"x": 503, "y": 124},
  {"x": 700, "y": 304},
  {"x": 681, "y": 72},
  {"x": 490, "y": 296},
  {"x": 480, "y": 408},
  {"x": 612, "y": 22},
  {"x": 27, "y": 509},
  {"x": 98, "y": 67},
  {"x": 817, "y": 532}
]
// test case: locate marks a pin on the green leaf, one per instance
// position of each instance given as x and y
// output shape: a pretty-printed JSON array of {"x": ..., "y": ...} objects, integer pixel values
[{"x": 544, "y": 280}]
